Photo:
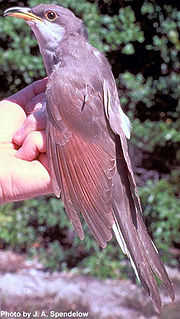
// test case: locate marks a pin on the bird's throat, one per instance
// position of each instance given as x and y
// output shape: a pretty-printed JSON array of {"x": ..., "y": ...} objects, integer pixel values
[
  {"x": 48, "y": 45},
  {"x": 49, "y": 59}
]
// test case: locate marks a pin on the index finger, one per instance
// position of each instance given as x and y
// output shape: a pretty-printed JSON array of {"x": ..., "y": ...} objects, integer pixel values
[{"x": 28, "y": 93}]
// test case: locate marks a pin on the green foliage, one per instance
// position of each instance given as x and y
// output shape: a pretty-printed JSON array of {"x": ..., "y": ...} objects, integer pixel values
[
  {"x": 19, "y": 65},
  {"x": 105, "y": 263},
  {"x": 41, "y": 228},
  {"x": 140, "y": 39},
  {"x": 161, "y": 209},
  {"x": 22, "y": 224}
]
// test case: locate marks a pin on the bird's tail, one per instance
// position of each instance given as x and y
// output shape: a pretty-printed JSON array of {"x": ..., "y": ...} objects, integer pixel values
[{"x": 131, "y": 232}]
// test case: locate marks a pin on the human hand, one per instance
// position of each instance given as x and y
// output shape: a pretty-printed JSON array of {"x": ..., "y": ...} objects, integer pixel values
[{"x": 23, "y": 162}]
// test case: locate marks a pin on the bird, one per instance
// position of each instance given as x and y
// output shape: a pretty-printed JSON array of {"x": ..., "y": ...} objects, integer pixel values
[{"x": 87, "y": 148}]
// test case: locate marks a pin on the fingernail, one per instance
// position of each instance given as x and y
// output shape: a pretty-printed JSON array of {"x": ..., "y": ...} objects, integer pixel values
[
  {"x": 18, "y": 136},
  {"x": 18, "y": 153}
]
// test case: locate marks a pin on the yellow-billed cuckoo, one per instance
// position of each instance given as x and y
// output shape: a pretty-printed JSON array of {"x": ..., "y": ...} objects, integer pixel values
[{"x": 86, "y": 141}]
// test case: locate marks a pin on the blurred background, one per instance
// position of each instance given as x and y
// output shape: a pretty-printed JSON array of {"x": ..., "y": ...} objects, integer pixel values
[{"x": 140, "y": 40}]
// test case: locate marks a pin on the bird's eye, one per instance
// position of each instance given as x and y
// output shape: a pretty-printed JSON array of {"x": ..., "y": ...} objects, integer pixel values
[{"x": 51, "y": 15}]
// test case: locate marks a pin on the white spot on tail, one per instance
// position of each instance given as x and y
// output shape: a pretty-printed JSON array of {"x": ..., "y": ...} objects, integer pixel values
[
  {"x": 126, "y": 124},
  {"x": 122, "y": 244}
]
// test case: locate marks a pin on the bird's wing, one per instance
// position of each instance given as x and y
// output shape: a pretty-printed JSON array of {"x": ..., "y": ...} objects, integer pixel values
[
  {"x": 121, "y": 126},
  {"x": 82, "y": 165}
]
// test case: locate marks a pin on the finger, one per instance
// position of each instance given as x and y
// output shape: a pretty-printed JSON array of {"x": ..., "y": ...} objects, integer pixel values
[
  {"x": 33, "y": 144},
  {"x": 39, "y": 86},
  {"x": 12, "y": 117},
  {"x": 28, "y": 93},
  {"x": 36, "y": 103},
  {"x": 29, "y": 179},
  {"x": 38, "y": 182},
  {"x": 33, "y": 122}
]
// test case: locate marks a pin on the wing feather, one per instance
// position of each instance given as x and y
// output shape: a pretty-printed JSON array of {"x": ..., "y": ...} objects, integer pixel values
[
  {"x": 86, "y": 185},
  {"x": 92, "y": 206}
]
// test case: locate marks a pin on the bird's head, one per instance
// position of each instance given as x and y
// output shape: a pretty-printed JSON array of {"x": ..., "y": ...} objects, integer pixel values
[{"x": 50, "y": 23}]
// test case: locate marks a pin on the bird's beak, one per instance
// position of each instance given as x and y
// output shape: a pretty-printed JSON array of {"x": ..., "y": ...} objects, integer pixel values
[{"x": 22, "y": 13}]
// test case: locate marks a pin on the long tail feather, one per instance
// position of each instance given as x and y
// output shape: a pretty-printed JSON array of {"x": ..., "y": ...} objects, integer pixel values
[{"x": 132, "y": 235}]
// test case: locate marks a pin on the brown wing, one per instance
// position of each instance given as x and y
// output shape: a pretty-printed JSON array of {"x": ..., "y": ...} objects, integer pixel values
[
  {"x": 82, "y": 165},
  {"x": 86, "y": 173}
]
